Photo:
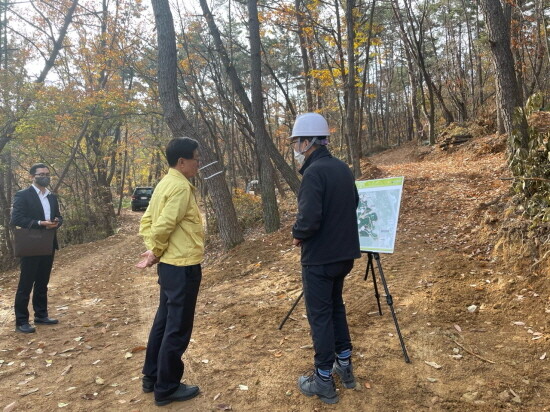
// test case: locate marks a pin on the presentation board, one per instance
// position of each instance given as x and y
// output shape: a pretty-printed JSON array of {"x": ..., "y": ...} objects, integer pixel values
[{"x": 378, "y": 213}]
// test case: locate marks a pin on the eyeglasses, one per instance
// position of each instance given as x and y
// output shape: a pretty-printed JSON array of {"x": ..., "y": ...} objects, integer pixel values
[{"x": 42, "y": 174}]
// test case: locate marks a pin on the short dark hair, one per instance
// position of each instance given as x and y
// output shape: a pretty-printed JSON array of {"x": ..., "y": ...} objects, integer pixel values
[
  {"x": 35, "y": 166},
  {"x": 180, "y": 147}
]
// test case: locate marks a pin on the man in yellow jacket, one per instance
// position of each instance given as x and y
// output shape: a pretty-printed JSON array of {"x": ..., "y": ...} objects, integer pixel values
[{"x": 172, "y": 230}]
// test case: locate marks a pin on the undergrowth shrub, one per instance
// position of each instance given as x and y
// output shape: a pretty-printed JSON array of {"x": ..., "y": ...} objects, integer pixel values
[{"x": 248, "y": 208}]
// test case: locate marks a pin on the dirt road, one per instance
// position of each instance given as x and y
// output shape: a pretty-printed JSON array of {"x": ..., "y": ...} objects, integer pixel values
[{"x": 492, "y": 358}]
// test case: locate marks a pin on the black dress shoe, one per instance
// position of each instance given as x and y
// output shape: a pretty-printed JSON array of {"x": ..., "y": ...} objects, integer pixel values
[
  {"x": 148, "y": 384},
  {"x": 45, "y": 321},
  {"x": 183, "y": 393},
  {"x": 26, "y": 328}
]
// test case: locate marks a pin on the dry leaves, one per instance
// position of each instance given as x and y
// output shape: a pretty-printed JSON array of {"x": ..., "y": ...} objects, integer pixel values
[{"x": 433, "y": 365}]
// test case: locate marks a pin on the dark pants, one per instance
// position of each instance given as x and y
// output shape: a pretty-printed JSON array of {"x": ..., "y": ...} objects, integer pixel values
[
  {"x": 172, "y": 327},
  {"x": 326, "y": 313},
  {"x": 35, "y": 272}
]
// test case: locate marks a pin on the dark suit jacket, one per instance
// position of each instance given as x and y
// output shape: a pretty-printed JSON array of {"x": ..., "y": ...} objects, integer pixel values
[{"x": 27, "y": 210}]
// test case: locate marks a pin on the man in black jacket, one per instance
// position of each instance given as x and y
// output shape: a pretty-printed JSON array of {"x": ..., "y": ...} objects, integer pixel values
[
  {"x": 35, "y": 208},
  {"x": 326, "y": 230}
]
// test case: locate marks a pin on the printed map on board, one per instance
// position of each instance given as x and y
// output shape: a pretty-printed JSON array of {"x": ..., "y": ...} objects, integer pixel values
[{"x": 378, "y": 213}]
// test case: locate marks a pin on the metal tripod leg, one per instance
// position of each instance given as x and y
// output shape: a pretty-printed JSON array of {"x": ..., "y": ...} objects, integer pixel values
[
  {"x": 370, "y": 267},
  {"x": 389, "y": 300},
  {"x": 291, "y": 309}
]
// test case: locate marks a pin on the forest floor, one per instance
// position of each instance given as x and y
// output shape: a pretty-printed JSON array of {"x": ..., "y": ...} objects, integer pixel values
[{"x": 493, "y": 358}]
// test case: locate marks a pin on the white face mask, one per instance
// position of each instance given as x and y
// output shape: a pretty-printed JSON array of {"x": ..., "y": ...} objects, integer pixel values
[{"x": 299, "y": 157}]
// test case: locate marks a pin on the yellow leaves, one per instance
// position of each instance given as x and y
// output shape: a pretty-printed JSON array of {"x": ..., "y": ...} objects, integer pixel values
[
  {"x": 313, "y": 5},
  {"x": 326, "y": 77}
]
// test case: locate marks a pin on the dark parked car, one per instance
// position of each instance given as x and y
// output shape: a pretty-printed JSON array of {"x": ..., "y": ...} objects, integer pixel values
[{"x": 141, "y": 197}]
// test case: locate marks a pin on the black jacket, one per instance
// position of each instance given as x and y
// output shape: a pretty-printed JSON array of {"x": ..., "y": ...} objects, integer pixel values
[
  {"x": 327, "y": 217},
  {"x": 27, "y": 210}
]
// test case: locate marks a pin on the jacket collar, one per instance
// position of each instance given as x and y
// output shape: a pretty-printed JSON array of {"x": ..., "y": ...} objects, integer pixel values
[
  {"x": 38, "y": 192},
  {"x": 177, "y": 174},
  {"x": 322, "y": 151}
]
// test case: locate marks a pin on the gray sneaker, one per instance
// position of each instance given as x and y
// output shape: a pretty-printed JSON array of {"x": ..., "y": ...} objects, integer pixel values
[
  {"x": 345, "y": 373},
  {"x": 314, "y": 385}
]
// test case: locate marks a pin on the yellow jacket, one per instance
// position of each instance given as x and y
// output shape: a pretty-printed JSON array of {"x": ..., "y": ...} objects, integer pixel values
[{"x": 171, "y": 226}]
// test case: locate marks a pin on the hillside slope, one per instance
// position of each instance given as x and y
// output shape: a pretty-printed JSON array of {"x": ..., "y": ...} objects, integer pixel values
[{"x": 495, "y": 358}]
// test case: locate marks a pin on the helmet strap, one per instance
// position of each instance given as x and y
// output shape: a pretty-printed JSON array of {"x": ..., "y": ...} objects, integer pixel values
[{"x": 311, "y": 143}]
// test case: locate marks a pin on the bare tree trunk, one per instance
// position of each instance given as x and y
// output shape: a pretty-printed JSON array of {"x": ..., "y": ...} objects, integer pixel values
[
  {"x": 269, "y": 201},
  {"x": 179, "y": 125},
  {"x": 413, "y": 100},
  {"x": 124, "y": 167},
  {"x": 303, "y": 52},
  {"x": 364, "y": 80},
  {"x": 510, "y": 94},
  {"x": 6, "y": 252},
  {"x": 351, "y": 107}
]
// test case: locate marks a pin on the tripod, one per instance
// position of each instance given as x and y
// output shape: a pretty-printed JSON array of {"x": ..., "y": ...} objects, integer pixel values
[{"x": 389, "y": 299}]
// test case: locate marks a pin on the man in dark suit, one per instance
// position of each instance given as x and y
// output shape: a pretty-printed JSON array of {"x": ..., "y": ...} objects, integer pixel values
[{"x": 36, "y": 208}]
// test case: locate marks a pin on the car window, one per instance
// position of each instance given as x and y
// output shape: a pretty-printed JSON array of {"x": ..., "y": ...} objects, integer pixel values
[{"x": 142, "y": 192}]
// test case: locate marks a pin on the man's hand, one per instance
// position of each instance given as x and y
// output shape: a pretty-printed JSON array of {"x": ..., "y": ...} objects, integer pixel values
[
  {"x": 50, "y": 225},
  {"x": 297, "y": 242},
  {"x": 149, "y": 259}
]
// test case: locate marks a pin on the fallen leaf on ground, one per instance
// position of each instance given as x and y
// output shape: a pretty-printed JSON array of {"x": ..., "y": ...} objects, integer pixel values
[
  {"x": 138, "y": 349},
  {"x": 543, "y": 357},
  {"x": 243, "y": 387},
  {"x": 367, "y": 385},
  {"x": 433, "y": 365},
  {"x": 29, "y": 392},
  {"x": 458, "y": 328},
  {"x": 99, "y": 380},
  {"x": 128, "y": 355},
  {"x": 10, "y": 407},
  {"x": 217, "y": 396},
  {"x": 66, "y": 370},
  {"x": 62, "y": 404},
  {"x": 224, "y": 407}
]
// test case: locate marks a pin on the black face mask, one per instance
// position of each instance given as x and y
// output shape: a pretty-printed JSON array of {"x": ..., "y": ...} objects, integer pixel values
[{"x": 42, "y": 181}]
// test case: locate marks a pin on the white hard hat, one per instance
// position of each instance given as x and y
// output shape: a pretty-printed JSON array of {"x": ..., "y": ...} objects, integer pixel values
[{"x": 310, "y": 124}]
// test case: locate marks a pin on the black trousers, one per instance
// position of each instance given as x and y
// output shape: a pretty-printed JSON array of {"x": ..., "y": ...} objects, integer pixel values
[
  {"x": 326, "y": 313},
  {"x": 35, "y": 273},
  {"x": 172, "y": 327}
]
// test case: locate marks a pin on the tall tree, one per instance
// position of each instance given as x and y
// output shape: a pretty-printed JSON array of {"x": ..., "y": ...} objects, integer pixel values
[
  {"x": 180, "y": 125},
  {"x": 351, "y": 87},
  {"x": 269, "y": 201},
  {"x": 509, "y": 95},
  {"x": 6, "y": 131}
]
